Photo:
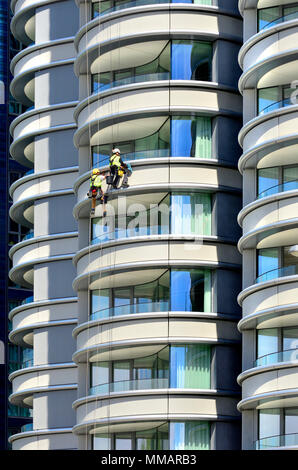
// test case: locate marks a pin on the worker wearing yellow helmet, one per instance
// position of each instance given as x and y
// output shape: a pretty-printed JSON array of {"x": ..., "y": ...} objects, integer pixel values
[{"x": 95, "y": 190}]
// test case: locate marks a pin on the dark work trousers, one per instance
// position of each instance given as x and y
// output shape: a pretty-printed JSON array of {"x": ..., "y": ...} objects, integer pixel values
[{"x": 114, "y": 172}]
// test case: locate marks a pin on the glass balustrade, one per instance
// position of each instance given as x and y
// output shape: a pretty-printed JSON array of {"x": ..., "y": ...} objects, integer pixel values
[
  {"x": 27, "y": 427},
  {"x": 291, "y": 270},
  {"x": 129, "y": 385},
  {"x": 281, "y": 19},
  {"x": 144, "y": 307},
  {"x": 149, "y": 77},
  {"x": 27, "y": 300},
  {"x": 286, "y": 440},
  {"x": 109, "y": 6},
  {"x": 279, "y": 188},
  {"x": 290, "y": 355},
  {"x": 276, "y": 105}
]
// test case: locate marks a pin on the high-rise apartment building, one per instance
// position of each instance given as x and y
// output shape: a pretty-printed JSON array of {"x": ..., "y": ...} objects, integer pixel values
[
  {"x": 12, "y": 356},
  {"x": 269, "y": 165},
  {"x": 133, "y": 321}
]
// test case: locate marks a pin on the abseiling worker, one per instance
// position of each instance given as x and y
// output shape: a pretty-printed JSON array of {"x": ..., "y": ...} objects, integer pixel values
[
  {"x": 95, "y": 191},
  {"x": 117, "y": 169}
]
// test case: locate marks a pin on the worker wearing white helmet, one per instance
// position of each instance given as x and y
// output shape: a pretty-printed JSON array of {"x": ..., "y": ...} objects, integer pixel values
[{"x": 117, "y": 169}]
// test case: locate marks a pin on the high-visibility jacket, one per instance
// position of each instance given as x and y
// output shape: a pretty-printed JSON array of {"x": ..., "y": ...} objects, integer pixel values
[
  {"x": 96, "y": 180},
  {"x": 115, "y": 160}
]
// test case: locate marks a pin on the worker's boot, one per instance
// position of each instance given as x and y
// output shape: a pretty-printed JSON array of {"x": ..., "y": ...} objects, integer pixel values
[{"x": 92, "y": 212}]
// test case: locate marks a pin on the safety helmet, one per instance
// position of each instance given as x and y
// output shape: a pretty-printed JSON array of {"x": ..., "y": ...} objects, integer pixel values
[
  {"x": 116, "y": 150},
  {"x": 96, "y": 171}
]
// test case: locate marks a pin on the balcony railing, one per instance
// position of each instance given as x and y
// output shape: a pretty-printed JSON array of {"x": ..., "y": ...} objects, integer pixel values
[
  {"x": 281, "y": 19},
  {"x": 291, "y": 270},
  {"x": 149, "y": 77},
  {"x": 28, "y": 363},
  {"x": 276, "y": 105},
  {"x": 129, "y": 309},
  {"x": 103, "y": 160},
  {"x": 128, "y": 385},
  {"x": 128, "y": 233},
  {"x": 286, "y": 440},
  {"x": 137, "y": 3},
  {"x": 279, "y": 188},
  {"x": 28, "y": 300},
  {"x": 28, "y": 235},
  {"x": 27, "y": 427},
  {"x": 289, "y": 355}
]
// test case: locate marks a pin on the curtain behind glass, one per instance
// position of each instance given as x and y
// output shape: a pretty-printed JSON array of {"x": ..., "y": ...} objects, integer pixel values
[
  {"x": 191, "y": 214},
  {"x": 190, "y": 366},
  {"x": 190, "y": 435},
  {"x": 191, "y": 137},
  {"x": 203, "y": 137}
]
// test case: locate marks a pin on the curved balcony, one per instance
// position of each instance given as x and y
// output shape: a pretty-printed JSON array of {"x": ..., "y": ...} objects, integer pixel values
[
  {"x": 289, "y": 355},
  {"x": 266, "y": 60},
  {"x": 124, "y": 413},
  {"x": 37, "y": 58},
  {"x": 98, "y": 118},
  {"x": 286, "y": 271},
  {"x": 26, "y": 190},
  {"x": 44, "y": 439},
  {"x": 273, "y": 442},
  {"x": 142, "y": 335},
  {"x": 38, "y": 379},
  {"x": 149, "y": 24},
  {"x": 152, "y": 182},
  {"x": 40, "y": 314},
  {"x": 27, "y": 254},
  {"x": 271, "y": 387},
  {"x": 35, "y": 123}
]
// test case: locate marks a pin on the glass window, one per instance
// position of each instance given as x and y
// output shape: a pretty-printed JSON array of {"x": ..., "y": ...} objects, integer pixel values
[
  {"x": 191, "y": 290},
  {"x": 268, "y": 260},
  {"x": 191, "y": 213},
  {"x": 190, "y": 435},
  {"x": 290, "y": 257},
  {"x": 100, "y": 301},
  {"x": 291, "y": 421},
  {"x": 290, "y": 178},
  {"x": 191, "y": 60},
  {"x": 191, "y": 137},
  {"x": 122, "y": 299},
  {"x": 269, "y": 423},
  {"x": 268, "y": 178},
  {"x": 101, "y": 442},
  {"x": 153, "y": 439},
  {"x": 190, "y": 366},
  {"x": 121, "y": 371},
  {"x": 100, "y": 376},
  {"x": 266, "y": 16},
  {"x": 123, "y": 442},
  {"x": 267, "y": 341},
  {"x": 290, "y": 339},
  {"x": 268, "y": 97}
]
